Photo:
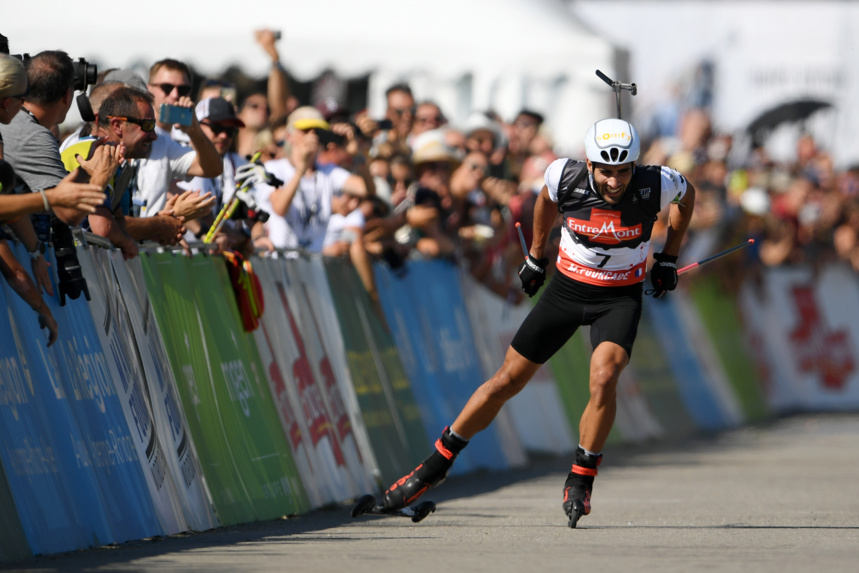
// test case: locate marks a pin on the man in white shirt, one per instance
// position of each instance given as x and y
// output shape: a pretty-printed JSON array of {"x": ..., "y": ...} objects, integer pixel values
[{"x": 170, "y": 83}]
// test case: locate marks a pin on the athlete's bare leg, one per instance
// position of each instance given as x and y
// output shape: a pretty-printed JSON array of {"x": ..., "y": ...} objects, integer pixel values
[
  {"x": 607, "y": 362},
  {"x": 487, "y": 400}
]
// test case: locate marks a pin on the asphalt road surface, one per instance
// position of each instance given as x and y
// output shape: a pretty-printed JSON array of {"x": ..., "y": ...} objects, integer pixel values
[{"x": 776, "y": 498}]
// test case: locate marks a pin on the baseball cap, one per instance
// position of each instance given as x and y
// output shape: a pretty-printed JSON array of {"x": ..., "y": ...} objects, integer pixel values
[
  {"x": 218, "y": 110},
  {"x": 306, "y": 117}
]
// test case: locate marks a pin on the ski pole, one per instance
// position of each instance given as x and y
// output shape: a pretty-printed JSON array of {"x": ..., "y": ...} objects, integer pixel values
[
  {"x": 227, "y": 210},
  {"x": 522, "y": 240},
  {"x": 714, "y": 257}
]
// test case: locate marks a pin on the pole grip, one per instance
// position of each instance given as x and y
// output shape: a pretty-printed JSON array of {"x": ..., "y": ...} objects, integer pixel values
[{"x": 605, "y": 78}]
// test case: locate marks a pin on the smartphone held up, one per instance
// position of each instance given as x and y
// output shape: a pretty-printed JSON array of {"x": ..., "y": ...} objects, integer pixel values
[{"x": 174, "y": 114}]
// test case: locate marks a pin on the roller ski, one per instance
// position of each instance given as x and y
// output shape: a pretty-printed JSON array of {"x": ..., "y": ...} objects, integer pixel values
[
  {"x": 579, "y": 485},
  {"x": 368, "y": 504},
  {"x": 400, "y": 498}
]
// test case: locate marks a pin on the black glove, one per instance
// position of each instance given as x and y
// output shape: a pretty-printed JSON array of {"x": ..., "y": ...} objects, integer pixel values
[
  {"x": 663, "y": 274},
  {"x": 532, "y": 273}
]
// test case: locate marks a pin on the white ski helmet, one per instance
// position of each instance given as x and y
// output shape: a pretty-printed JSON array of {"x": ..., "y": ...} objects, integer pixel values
[{"x": 613, "y": 142}]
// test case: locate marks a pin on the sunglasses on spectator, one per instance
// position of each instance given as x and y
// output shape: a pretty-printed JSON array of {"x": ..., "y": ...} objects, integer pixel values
[
  {"x": 219, "y": 129},
  {"x": 146, "y": 125},
  {"x": 183, "y": 89},
  {"x": 402, "y": 110}
]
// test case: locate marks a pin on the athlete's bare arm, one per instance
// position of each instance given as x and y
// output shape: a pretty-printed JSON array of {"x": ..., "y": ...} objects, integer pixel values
[
  {"x": 545, "y": 214},
  {"x": 679, "y": 215}
]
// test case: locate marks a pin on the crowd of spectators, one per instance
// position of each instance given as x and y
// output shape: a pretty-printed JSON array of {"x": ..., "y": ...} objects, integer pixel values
[{"x": 314, "y": 176}]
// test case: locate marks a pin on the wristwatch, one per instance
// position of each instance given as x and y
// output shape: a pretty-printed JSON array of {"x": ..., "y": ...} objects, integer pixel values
[{"x": 37, "y": 251}]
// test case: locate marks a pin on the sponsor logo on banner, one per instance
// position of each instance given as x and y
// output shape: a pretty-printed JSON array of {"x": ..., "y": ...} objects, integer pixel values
[{"x": 818, "y": 348}]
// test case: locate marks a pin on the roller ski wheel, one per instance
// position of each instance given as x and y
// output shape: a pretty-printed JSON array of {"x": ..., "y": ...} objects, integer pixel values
[
  {"x": 577, "y": 510},
  {"x": 367, "y": 504}
]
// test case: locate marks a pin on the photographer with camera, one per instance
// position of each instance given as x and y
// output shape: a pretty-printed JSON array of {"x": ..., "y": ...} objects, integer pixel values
[
  {"x": 33, "y": 151},
  {"x": 219, "y": 122}
]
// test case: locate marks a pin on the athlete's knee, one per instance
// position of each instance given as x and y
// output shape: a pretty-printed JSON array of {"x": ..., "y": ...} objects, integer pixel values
[{"x": 506, "y": 383}]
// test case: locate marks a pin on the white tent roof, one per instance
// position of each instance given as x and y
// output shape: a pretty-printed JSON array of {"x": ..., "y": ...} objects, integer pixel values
[{"x": 473, "y": 54}]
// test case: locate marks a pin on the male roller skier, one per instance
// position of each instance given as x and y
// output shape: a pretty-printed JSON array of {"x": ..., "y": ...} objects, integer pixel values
[{"x": 609, "y": 205}]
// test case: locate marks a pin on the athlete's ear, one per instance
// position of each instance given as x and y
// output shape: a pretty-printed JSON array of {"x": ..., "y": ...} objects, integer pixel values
[{"x": 590, "y": 166}]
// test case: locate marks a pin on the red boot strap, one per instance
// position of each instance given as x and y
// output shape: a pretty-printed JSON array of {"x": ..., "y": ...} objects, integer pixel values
[
  {"x": 443, "y": 450},
  {"x": 583, "y": 471}
]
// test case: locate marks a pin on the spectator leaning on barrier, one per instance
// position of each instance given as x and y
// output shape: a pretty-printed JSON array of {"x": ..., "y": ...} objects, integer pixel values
[
  {"x": 169, "y": 161},
  {"x": 126, "y": 128},
  {"x": 299, "y": 194},
  {"x": 598, "y": 282}
]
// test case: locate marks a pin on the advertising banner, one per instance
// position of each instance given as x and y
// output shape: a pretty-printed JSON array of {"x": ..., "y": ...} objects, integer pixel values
[
  {"x": 804, "y": 336},
  {"x": 536, "y": 415},
  {"x": 56, "y": 496},
  {"x": 239, "y": 441},
  {"x": 654, "y": 378},
  {"x": 380, "y": 386},
  {"x": 427, "y": 316},
  {"x": 129, "y": 378},
  {"x": 301, "y": 286},
  {"x": 172, "y": 427},
  {"x": 278, "y": 352},
  {"x": 73, "y": 468},
  {"x": 700, "y": 393},
  {"x": 718, "y": 313}
]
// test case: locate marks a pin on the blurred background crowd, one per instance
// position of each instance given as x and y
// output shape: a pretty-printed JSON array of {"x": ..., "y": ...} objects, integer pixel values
[{"x": 419, "y": 186}]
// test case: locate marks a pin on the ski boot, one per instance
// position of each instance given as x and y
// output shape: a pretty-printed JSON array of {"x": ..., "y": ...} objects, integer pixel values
[
  {"x": 430, "y": 473},
  {"x": 579, "y": 485}
]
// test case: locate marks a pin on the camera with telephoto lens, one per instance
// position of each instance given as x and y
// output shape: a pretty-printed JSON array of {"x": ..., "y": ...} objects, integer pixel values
[
  {"x": 70, "y": 280},
  {"x": 86, "y": 74}
]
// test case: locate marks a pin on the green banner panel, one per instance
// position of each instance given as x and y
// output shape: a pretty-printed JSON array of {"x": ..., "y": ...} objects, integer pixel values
[
  {"x": 719, "y": 315},
  {"x": 656, "y": 382},
  {"x": 241, "y": 445},
  {"x": 382, "y": 388}
]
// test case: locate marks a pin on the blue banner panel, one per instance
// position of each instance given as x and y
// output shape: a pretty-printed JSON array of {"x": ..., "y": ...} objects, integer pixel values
[
  {"x": 57, "y": 497},
  {"x": 427, "y": 315},
  {"x": 702, "y": 404},
  {"x": 108, "y": 444}
]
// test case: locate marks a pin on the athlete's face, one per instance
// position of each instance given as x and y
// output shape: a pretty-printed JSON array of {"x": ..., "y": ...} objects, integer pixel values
[{"x": 611, "y": 181}]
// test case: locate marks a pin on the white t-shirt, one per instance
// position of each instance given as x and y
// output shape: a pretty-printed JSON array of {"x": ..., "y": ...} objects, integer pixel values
[
  {"x": 168, "y": 161},
  {"x": 307, "y": 218},
  {"x": 339, "y": 223}
]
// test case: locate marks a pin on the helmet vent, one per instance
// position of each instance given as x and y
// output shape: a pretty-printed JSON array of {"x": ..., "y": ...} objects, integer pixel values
[
  {"x": 604, "y": 155},
  {"x": 623, "y": 155}
]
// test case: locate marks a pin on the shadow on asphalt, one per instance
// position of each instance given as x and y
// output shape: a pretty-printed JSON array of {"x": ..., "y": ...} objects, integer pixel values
[{"x": 334, "y": 516}]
